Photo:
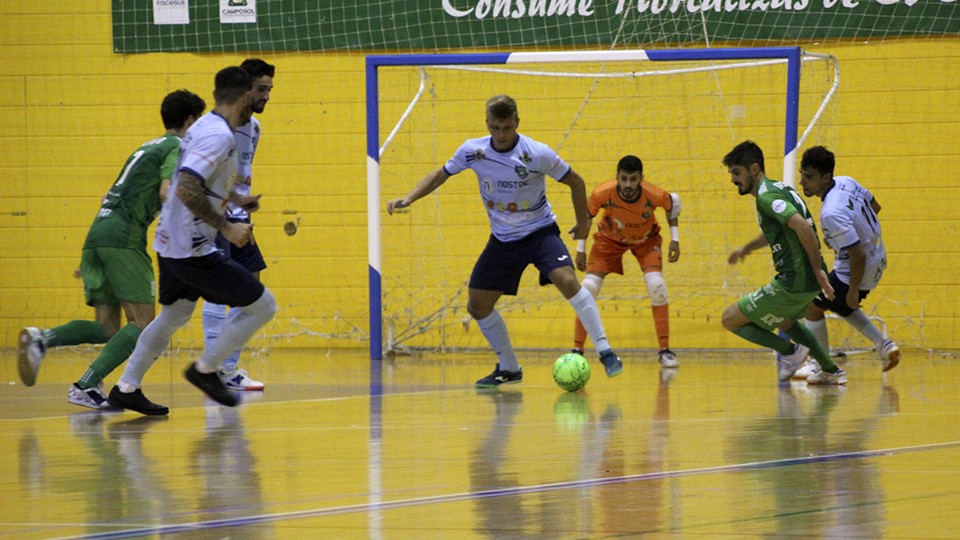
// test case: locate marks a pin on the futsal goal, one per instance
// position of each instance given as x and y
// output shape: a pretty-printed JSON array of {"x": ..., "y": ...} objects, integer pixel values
[{"x": 680, "y": 111}]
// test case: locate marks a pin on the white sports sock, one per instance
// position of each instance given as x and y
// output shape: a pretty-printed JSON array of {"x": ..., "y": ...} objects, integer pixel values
[
  {"x": 819, "y": 329},
  {"x": 154, "y": 340},
  {"x": 241, "y": 324},
  {"x": 495, "y": 330},
  {"x": 586, "y": 307},
  {"x": 214, "y": 316},
  {"x": 861, "y": 323}
]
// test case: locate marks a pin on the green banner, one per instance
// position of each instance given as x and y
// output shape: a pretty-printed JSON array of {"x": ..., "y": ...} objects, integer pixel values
[{"x": 400, "y": 25}]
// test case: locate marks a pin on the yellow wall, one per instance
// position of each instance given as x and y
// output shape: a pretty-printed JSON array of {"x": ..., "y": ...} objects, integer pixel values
[{"x": 71, "y": 111}]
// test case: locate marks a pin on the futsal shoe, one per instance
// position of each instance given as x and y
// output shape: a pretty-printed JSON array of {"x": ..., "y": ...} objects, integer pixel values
[
  {"x": 135, "y": 401},
  {"x": 890, "y": 355},
  {"x": 611, "y": 363},
  {"x": 807, "y": 369},
  {"x": 239, "y": 380},
  {"x": 500, "y": 376},
  {"x": 211, "y": 385},
  {"x": 822, "y": 377},
  {"x": 31, "y": 349},
  {"x": 91, "y": 398},
  {"x": 789, "y": 363},
  {"x": 668, "y": 359}
]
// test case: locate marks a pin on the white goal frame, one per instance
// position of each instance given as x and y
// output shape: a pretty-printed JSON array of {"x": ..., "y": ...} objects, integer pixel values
[{"x": 792, "y": 56}]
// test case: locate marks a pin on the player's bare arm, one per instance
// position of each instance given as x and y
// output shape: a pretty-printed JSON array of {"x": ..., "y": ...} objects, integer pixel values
[
  {"x": 875, "y": 205},
  {"x": 580, "y": 257},
  {"x": 811, "y": 247},
  {"x": 673, "y": 252},
  {"x": 578, "y": 194},
  {"x": 741, "y": 253},
  {"x": 858, "y": 267},
  {"x": 164, "y": 189},
  {"x": 190, "y": 191},
  {"x": 430, "y": 182},
  {"x": 673, "y": 220}
]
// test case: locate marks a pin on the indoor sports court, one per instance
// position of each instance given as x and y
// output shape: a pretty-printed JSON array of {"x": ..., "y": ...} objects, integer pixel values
[{"x": 339, "y": 447}]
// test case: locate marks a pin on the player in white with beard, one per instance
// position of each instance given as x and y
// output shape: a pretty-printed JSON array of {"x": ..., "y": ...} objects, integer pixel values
[
  {"x": 247, "y": 136},
  {"x": 511, "y": 170},
  {"x": 190, "y": 264},
  {"x": 848, "y": 219}
]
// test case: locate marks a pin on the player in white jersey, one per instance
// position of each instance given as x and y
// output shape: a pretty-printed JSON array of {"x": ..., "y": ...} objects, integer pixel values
[
  {"x": 247, "y": 137},
  {"x": 190, "y": 264},
  {"x": 511, "y": 170},
  {"x": 848, "y": 219}
]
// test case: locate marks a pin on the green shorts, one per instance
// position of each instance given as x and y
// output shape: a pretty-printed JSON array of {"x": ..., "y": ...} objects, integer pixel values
[
  {"x": 772, "y": 305},
  {"x": 113, "y": 275}
]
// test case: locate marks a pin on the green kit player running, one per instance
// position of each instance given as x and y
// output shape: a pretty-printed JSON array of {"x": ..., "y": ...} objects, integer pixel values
[
  {"x": 788, "y": 228},
  {"x": 115, "y": 267}
]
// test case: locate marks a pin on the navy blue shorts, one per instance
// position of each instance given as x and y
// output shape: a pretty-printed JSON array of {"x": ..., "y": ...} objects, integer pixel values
[
  {"x": 248, "y": 256},
  {"x": 501, "y": 264},
  {"x": 839, "y": 303},
  {"x": 215, "y": 277}
]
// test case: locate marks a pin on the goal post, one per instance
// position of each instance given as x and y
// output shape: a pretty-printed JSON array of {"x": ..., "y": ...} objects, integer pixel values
[{"x": 710, "y": 61}]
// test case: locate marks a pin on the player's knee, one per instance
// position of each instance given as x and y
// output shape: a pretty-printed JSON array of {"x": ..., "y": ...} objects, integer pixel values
[
  {"x": 732, "y": 318},
  {"x": 656, "y": 287},
  {"x": 592, "y": 283},
  {"x": 266, "y": 306},
  {"x": 177, "y": 314}
]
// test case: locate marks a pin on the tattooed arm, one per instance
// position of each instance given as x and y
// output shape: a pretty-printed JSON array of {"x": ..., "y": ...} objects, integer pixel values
[{"x": 190, "y": 191}]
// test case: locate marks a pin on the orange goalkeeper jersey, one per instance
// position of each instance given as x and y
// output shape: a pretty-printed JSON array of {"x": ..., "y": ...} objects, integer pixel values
[{"x": 628, "y": 223}]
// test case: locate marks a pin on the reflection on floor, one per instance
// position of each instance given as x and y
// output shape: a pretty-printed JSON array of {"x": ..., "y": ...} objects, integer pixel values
[{"x": 339, "y": 447}]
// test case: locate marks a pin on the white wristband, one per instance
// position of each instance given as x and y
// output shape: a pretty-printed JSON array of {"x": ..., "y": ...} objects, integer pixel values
[
  {"x": 674, "y": 233},
  {"x": 581, "y": 246}
]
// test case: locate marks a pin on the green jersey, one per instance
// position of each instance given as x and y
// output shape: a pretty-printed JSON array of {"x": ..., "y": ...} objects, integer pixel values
[
  {"x": 776, "y": 203},
  {"x": 133, "y": 201}
]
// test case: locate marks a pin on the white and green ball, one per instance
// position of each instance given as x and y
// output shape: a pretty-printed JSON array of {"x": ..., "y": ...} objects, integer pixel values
[{"x": 571, "y": 372}]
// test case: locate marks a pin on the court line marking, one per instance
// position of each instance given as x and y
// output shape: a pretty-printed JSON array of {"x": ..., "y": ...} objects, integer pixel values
[{"x": 522, "y": 490}]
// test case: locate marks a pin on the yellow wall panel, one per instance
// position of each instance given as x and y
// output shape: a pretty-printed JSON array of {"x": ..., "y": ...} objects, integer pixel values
[{"x": 73, "y": 111}]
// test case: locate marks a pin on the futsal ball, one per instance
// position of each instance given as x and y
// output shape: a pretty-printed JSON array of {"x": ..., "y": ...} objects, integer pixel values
[{"x": 571, "y": 372}]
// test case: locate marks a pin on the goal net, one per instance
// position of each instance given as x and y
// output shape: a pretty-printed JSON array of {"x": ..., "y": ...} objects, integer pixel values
[{"x": 680, "y": 111}]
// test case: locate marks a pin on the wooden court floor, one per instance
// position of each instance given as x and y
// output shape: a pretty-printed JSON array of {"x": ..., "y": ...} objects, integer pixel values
[{"x": 337, "y": 447}]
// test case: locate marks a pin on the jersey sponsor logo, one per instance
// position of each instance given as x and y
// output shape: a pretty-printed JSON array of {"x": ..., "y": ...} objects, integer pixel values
[
  {"x": 486, "y": 185},
  {"x": 512, "y": 184}
]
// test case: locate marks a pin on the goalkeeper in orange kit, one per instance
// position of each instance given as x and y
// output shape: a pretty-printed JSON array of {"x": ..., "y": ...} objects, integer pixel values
[{"x": 628, "y": 223}]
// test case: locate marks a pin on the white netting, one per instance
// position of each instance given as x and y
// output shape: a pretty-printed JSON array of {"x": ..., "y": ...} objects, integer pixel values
[{"x": 680, "y": 118}]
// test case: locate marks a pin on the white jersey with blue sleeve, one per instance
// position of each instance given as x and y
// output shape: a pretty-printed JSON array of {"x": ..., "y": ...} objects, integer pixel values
[
  {"x": 248, "y": 137},
  {"x": 512, "y": 184},
  {"x": 847, "y": 219},
  {"x": 207, "y": 151}
]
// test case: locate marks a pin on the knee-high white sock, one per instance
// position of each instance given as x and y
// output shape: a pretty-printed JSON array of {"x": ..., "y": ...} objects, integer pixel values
[
  {"x": 214, "y": 316},
  {"x": 241, "y": 324},
  {"x": 495, "y": 330},
  {"x": 586, "y": 307},
  {"x": 819, "y": 329},
  {"x": 153, "y": 341},
  {"x": 861, "y": 323}
]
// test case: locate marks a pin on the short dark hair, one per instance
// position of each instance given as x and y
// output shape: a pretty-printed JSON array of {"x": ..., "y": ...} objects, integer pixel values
[
  {"x": 230, "y": 84},
  {"x": 745, "y": 154},
  {"x": 820, "y": 159},
  {"x": 630, "y": 164},
  {"x": 257, "y": 68},
  {"x": 501, "y": 107},
  {"x": 180, "y": 105}
]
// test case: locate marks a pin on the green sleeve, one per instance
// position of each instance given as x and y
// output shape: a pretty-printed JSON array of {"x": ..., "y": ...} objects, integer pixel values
[{"x": 170, "y": 163}]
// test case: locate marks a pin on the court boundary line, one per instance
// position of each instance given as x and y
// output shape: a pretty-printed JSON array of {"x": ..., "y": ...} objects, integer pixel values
[{"x": 522, "y": 490}]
